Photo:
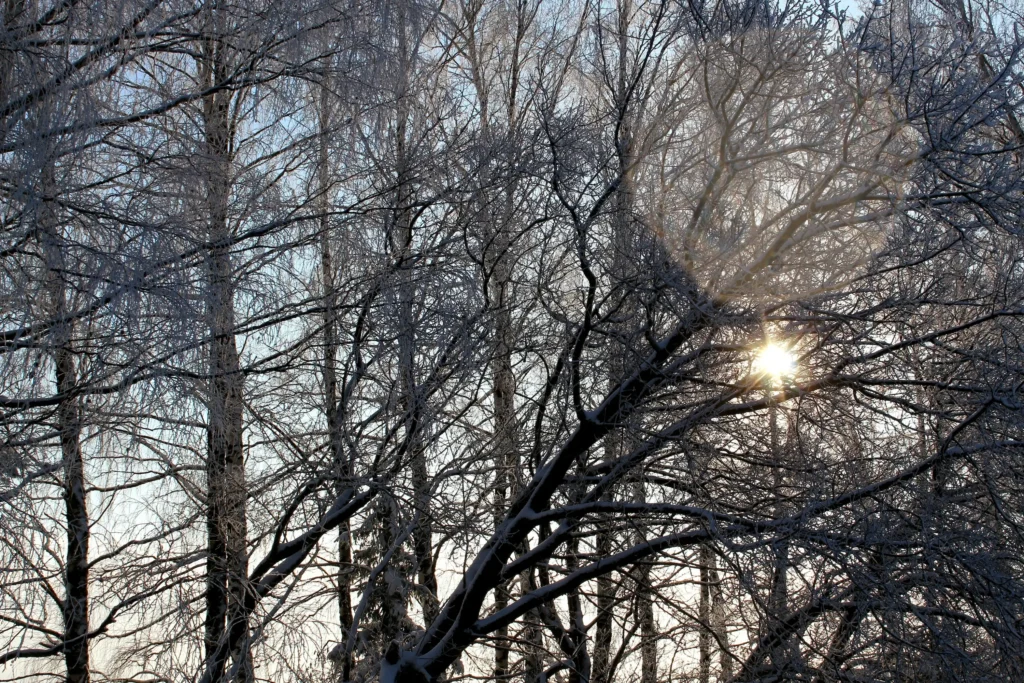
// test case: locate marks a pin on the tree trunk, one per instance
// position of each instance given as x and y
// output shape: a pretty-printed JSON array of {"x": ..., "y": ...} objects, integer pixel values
[
  {"x": 12, "y": 12},
  {"x": 704, "y": 616},
  {"x": 606, "y": 594},
  {"x": 712, "y": 618},
  {"x": 506, "y": 460},
  {"x": 423, "y": 530},
  {"x": 718, "y": 620},
  {"x": 582, "y": 668},
  {"x": 339, "y": 461},
  {"x": 778, "y": 599},
  {"x": 227, "y": 558},
  {"x": 75, "y": 610},
  {"x": 645, "y": 607}
]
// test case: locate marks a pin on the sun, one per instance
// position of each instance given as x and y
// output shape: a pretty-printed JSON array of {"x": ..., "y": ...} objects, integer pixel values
[{"x": 775, "y": 361}]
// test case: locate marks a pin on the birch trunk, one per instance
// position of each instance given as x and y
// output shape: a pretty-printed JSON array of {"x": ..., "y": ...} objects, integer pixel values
[
  {"x": 505, "y": 458},
  {"x": 495, "y": 230},
  {"x": 778, "y": 599},
  {"x": 711, "y": 612},
  {"x": 227, "y": 558},
  {"x": 339, "y": 461},
  {"x": 626, "y": 241},
  {"x": 423, "y": 530},
  {"x": 75, "y": 608}
]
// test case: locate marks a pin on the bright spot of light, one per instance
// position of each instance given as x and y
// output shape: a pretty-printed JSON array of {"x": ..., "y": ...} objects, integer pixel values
[{"x": 776, "y": 361}]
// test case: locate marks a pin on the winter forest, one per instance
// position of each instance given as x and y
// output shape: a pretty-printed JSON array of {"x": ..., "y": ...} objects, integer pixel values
[{"x": 533, "y": 341}]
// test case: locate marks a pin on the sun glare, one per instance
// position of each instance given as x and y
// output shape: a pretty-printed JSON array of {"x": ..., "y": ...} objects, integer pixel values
[{"x": 776, "y": 361}]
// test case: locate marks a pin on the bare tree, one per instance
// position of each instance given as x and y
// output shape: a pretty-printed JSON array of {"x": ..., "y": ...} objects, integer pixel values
[{"x": 615, "y": 341}]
